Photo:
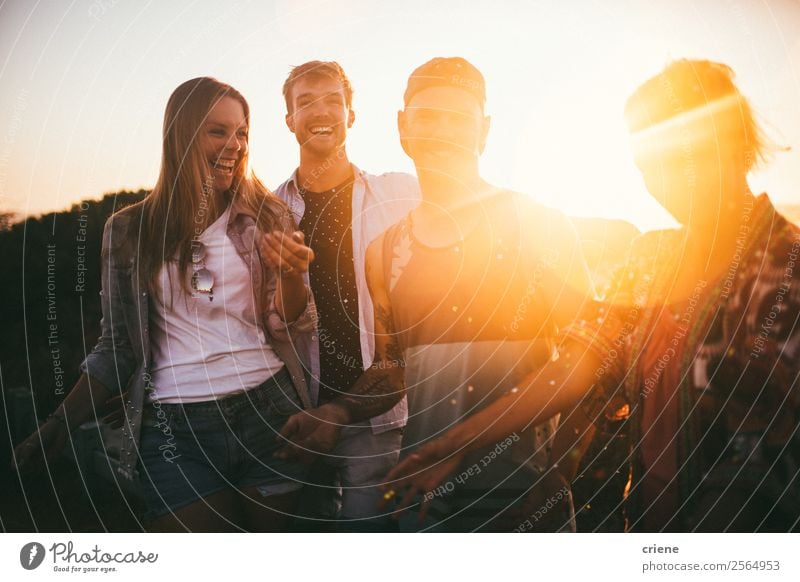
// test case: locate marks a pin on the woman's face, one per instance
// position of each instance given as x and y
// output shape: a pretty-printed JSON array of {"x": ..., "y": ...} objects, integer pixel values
[{"x": 223, "y": 139}]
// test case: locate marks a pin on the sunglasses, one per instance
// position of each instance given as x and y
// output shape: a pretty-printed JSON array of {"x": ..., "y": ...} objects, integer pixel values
[{"x": 202, "y": 279}]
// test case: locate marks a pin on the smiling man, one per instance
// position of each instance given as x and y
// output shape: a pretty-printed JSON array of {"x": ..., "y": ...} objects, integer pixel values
[
  {"x": 340, "y": 210},
  {"x": 469, "y": 290},
  {"x": 474, "y": 283}
]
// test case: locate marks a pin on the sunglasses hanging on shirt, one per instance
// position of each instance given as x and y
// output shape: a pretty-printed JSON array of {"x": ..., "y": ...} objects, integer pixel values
[{"x": 202, "y": 279}]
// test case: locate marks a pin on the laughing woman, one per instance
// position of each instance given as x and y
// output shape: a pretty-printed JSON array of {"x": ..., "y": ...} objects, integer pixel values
[{"x": 199, "y": 281}]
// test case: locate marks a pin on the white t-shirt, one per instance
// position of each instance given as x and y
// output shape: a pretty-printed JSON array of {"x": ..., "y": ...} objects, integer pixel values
[{"x": 203, "y": 350}]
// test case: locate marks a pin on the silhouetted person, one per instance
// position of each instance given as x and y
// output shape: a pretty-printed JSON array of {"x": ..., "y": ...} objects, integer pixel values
[{"x": 697, "y": 342}]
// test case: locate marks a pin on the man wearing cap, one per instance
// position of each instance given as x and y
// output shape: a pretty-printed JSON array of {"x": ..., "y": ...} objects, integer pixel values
[
  {"x": 340, "y": 210},
  {"x": 468, "y": 290},
  {"x": 474, "y": 283}
]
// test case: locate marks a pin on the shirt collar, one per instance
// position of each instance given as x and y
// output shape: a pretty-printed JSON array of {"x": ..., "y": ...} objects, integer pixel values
[{"x": 358, "y": 174}]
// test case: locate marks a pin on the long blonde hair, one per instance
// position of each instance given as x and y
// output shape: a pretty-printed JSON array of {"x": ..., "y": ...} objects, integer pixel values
[{"x": 182, "y": 204}]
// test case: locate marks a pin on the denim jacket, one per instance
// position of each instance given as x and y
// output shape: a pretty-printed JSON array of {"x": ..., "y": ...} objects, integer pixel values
[
  {"x": 121, "y": 359},
  {"x": 378, "y": 202}
]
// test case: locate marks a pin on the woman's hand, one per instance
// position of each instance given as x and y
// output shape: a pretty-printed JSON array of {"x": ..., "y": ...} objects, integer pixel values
[
  {"x": 289, "y": 257},
  {"x": 47, "y": 441},
  {"x": 41, "y": 447},
  {"x": 285, "y": 253},
  {"x": 421, "y": 473}
]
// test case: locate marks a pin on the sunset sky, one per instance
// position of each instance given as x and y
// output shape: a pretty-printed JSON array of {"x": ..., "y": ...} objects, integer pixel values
[{"x": 83, "y": 85}]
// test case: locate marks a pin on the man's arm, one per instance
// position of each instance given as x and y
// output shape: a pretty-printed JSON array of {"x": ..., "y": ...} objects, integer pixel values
[
  {"x": 377, "y": 390},
  {"x": 560, "y": 385},
  {"x": 382, "y": 385}
]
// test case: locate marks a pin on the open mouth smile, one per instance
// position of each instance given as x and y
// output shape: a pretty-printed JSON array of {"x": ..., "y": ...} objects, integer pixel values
[
  {"x": 224, "y": 166},
  {"x": 320, "y": 130}
]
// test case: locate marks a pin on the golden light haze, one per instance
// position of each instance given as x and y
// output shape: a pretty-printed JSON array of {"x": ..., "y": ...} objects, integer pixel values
[{"x": 84, "y": 86}]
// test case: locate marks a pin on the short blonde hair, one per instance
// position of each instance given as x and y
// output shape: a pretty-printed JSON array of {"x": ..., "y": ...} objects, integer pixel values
[
  {"x": 685, "y": 85},
  {"x": 329, "y": 69}
]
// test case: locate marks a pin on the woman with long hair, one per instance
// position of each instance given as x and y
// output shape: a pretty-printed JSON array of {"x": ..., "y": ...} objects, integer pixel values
[
  {"x": 697, "y": 343},
  {"x": 202, "y": 294}
]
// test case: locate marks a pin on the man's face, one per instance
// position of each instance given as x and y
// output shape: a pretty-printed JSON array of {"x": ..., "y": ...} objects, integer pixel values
[
  {"x": 685, "y": 167},
  {"x": 443, "y": 128},
  {"x": 319, "y": 116}
]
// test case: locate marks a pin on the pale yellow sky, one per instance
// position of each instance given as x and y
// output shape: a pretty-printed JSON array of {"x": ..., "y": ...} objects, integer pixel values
[{"x": 83, "y": 85}]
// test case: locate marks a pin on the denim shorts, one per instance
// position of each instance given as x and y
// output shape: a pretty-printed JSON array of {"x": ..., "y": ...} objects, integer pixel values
[{"x": 190, "y": 451}]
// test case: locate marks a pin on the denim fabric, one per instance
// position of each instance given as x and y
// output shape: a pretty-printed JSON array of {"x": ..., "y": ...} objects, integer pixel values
[{"x": 190, "y": 451}]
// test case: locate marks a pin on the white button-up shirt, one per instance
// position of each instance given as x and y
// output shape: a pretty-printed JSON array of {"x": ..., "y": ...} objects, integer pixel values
[{"x": 378, "y": 203}]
